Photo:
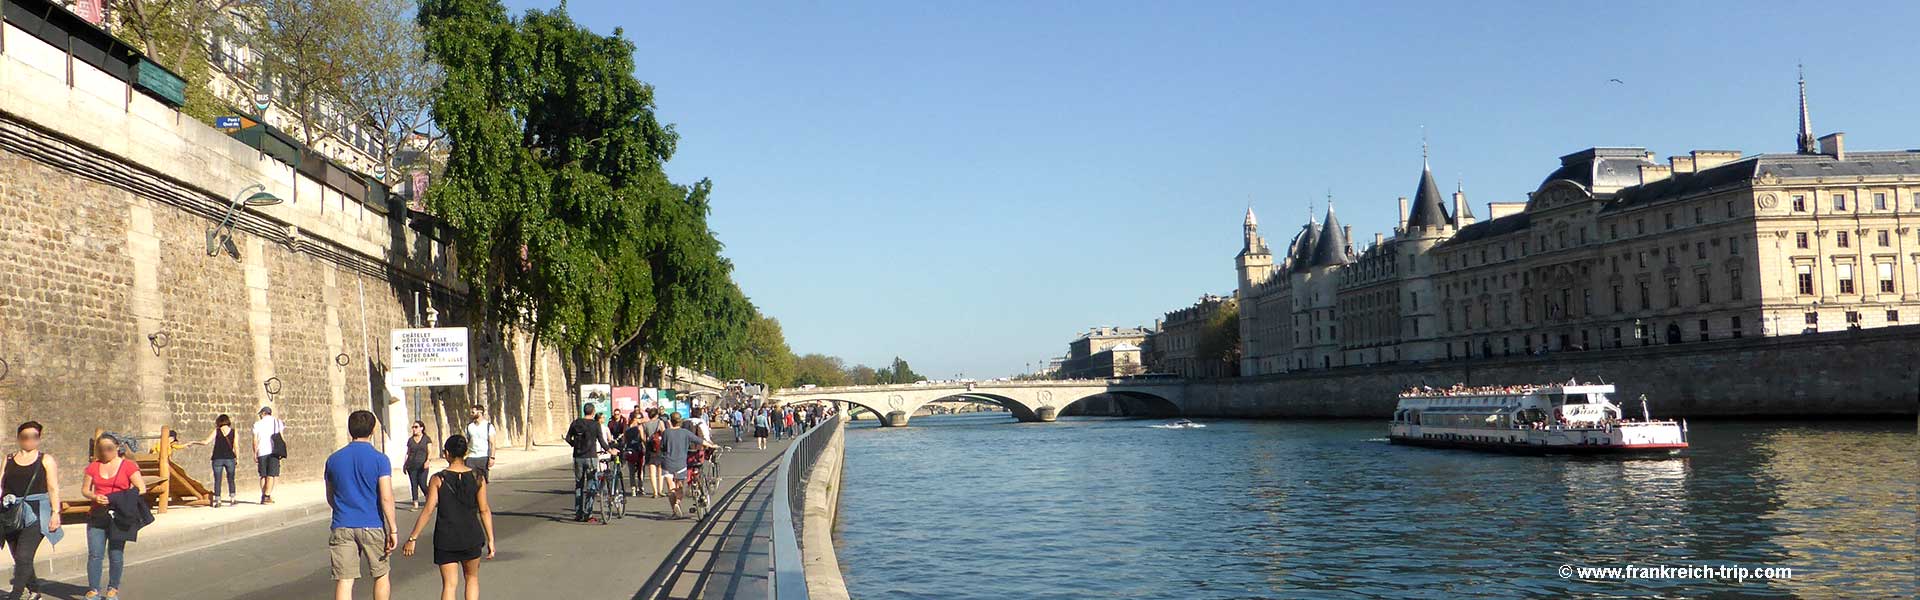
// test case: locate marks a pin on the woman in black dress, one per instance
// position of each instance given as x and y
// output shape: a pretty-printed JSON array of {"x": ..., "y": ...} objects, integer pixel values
[{"x": 463, "y": 533}]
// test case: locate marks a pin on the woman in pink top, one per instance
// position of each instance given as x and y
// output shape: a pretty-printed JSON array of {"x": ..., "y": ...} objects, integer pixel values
[{"x": 109, "y": 473}]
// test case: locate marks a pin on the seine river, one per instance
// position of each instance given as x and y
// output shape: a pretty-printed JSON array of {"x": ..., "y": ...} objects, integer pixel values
[{"x": 977, "y": 506}]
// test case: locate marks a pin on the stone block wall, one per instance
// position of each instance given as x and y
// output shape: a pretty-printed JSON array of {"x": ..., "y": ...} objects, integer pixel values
[
  {"x": 1865, "y": 372},
  {"x": 113, "y": 316}
]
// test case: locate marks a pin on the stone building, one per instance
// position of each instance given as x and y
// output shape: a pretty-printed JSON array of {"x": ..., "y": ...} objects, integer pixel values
[
  {"x": 1175, "y": 346},
  {"x": 1612, "y": 249},
  {"x": 1104, "y": 352}
]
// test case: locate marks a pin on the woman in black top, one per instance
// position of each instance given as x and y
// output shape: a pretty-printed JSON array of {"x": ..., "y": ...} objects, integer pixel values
[
  {"x": 34, "y": 479},
  {"x": 224, "y": 460},
  {"x": 463, "y": 532},
  {"x": 419, "y": 447}
]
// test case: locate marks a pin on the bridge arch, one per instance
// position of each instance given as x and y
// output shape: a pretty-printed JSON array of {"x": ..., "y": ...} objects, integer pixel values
[{"x": 1121, "y": 403}]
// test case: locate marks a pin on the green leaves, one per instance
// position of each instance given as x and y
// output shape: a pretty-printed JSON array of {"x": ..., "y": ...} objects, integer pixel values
[{"x": 566, "y": 219}]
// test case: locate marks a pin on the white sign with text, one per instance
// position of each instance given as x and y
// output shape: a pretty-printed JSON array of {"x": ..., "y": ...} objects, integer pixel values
[{"x": 428, "y": 357}]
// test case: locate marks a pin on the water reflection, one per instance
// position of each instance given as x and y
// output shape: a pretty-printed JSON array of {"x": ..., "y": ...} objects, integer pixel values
[{"x": 972, "y": 507}]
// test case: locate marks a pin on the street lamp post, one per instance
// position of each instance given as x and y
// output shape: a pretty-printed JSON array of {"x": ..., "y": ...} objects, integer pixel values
[{"x": 260, "y": 198}]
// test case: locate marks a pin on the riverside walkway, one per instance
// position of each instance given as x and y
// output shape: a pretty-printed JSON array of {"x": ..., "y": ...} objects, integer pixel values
[{"x": 543, "y": 553}]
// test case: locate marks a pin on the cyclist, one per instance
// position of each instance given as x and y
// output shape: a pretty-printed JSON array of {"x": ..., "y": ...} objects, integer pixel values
[
  {"x": 678, "y": 441},
  {"x": 584, "y": 434}
]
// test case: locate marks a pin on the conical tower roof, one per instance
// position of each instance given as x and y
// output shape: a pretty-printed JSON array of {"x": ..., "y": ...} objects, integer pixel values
[
  {"x": 1331, "y": 249},
  {"x": 1301, "y": 254},
  {"x": 1427, "y": 210}
]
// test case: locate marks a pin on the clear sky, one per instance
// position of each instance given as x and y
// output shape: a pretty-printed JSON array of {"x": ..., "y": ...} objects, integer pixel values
[{"x": 969, "y": 185}]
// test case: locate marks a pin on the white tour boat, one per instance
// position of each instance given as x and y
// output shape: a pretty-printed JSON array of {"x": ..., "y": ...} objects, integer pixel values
[{"x": 1564, "y": 418}]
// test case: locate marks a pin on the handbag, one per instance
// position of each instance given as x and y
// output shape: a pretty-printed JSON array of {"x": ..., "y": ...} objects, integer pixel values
[
  {"x": 14, "y": 517},
  {"x": 279, "y": 446}
]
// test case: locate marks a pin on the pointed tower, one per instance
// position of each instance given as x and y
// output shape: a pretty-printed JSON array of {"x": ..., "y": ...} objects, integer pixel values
[
  {"x": 1255, "y": 263},
  {"x": 1331, "y": 249},
  {"x": 1806, "y": 141},
  {"x": 1428, "y": 212}
]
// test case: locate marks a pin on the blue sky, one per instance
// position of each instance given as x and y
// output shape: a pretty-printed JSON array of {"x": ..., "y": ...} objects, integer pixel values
[{"x": 971, "y": 184}]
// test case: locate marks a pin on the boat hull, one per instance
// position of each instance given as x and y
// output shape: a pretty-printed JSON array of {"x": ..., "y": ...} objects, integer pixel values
[{"x": 1525, "y": 448}]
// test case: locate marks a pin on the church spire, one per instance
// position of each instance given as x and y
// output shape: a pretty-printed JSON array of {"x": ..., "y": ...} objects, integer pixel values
[{"x": 1806, "y": 125}]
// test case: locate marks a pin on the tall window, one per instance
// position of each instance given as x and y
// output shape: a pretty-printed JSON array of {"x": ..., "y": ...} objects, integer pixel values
[
  {"x": 1729, "y": 209},
  {"x": 1669, "y": 217},
  {"x": 1733, "y": 245},
  {"x": 1840, "y": 239},
  {"x": 1706, "y": 291},
  {"x": 1639, "y": 226},
  {"x": 1616, "y": 299},
  {"x": 1804, "y": 273},
  {"x": 1839, "y": 201},
  {"x": 1613, "y": 231},
  {"x": 1733, "y": 283},
  {"x": 1845, "y": 275},
  {"x": 1736, "y": 326},
  {"x": 1703, "y": 330},
  {"x": 1800, "y": 239},
  {"x": 1646, "y": 297},
  {"x": 1882, "y": 237},
  {"x": 1799, "y": 203},
  {"x": 1673, "y": 292},
  {"x": 1586, "y": 301},
  {"x": 1700, "y": 250},
  {"x": 1879, "y": 201},
  {"x": 1699, "y": 215},
  {"x": 1886, "y": 277}
]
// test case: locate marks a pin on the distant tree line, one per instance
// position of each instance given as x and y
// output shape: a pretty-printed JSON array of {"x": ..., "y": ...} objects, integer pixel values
[{"x": 824, "y": 370}]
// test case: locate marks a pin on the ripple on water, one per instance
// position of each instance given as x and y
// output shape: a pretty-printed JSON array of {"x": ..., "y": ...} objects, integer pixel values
[{"x": 978, "y": 507}]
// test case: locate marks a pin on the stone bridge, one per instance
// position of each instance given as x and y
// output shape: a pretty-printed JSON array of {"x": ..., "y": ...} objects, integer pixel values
[{"x": 1029, "y": 401}]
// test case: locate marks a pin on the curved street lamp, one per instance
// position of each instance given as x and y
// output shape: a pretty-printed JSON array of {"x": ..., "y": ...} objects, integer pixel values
[{"x": 224, "y": 231}]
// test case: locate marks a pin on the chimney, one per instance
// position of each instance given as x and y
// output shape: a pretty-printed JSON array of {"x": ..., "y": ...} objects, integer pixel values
[
  {"x": 1707, "y": 159},
  {"x": 1834, "y": 145},
  {"x": 1652, "y": 173},
  {"x": 1346, "y": 233},
  {"x": 1379, "y": 239},
  {"x": 1403, "y": 214},
  {"x": 1461, "y": 216},
  {"x": 1680, "y": 164},
  {"x": 1496, "y": 210}
]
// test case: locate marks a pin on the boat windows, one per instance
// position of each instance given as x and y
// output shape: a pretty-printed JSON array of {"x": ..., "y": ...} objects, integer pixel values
[{"x": 1576, "y": 398}]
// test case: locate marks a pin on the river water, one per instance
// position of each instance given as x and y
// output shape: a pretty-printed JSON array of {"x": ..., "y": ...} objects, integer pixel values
[{"x": 978, "y": 506}]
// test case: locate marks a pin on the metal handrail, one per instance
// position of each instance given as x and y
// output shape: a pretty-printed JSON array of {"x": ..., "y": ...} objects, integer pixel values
[{"x": 789, "y": 573}]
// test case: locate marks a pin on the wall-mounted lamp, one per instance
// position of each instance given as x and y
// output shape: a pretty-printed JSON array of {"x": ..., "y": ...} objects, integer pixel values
[
  {"x": 222, "y": 233},
  {"x": 273, "y": 386},
  {"x": 158, "y": 340}
]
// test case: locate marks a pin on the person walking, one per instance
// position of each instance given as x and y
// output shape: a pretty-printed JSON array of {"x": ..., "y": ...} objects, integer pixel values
[
  {"x": 736, "y": 422},
  {"x": 656, "y": 461},
  {"x": 265, "y": 459},
  {"x": 789, "y": 420},
  {"x": 419, "y": 447},
  {"x": 480, "y": 436},
  {"x": 463, "y": 522},
  {"x": 31, "y": 481},
  {"x": 225, "y": 459},
  {"x": 362, "y": 533},
  {"x": 584, "y": 435},
  {"x": 760, "y": 426},
  {"x": 108, "y": 474},
  {"x": 678, "y": 441}
]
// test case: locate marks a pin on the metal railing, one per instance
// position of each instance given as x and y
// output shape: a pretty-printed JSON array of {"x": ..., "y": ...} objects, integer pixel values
[{"x": 789, "y": 573}]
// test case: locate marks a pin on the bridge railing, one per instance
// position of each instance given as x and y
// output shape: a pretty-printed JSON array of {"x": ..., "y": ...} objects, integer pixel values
[{"x": 789, "y": 572}]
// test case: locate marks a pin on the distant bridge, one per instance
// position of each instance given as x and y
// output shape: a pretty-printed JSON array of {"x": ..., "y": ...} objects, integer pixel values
[{"x": 1029, "y": 401}]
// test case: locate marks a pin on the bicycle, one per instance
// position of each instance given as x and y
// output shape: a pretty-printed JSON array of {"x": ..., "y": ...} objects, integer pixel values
[
  {"x": 609, "y": 500},
  {"x": 701, "y": 477}
]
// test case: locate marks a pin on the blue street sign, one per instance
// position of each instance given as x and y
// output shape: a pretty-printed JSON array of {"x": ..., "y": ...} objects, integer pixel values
[{"x": 226, "y": 122}]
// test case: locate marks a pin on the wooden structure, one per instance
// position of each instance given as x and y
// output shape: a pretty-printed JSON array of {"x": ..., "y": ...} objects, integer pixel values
[{"x": 167, "y": 483}]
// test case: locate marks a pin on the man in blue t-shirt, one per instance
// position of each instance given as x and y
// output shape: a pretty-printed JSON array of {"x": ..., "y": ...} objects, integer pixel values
[{"x": 360, "y": 490}]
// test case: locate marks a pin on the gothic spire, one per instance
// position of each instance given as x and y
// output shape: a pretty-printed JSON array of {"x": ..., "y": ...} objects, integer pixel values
[
  {"x": 1331, "y": 248},
  {"x": 1806, "y": 124}
]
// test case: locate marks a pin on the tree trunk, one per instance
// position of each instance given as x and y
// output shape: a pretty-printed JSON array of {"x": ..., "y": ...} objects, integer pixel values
[{"x": 526, "y": 402}]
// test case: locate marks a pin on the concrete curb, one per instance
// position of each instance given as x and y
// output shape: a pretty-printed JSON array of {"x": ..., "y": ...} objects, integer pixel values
[
  {"x": 157, "y": 543},
  {"x": 820, "y": 501}
]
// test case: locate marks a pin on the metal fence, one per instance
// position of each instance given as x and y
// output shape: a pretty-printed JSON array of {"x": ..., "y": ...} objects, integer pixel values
[{"x": 789, "y": 573}]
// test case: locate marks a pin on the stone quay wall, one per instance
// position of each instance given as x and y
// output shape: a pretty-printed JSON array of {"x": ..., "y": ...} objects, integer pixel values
[
  {"x": 1836, "y": 374},
  {"x": 113, "y": 315}
]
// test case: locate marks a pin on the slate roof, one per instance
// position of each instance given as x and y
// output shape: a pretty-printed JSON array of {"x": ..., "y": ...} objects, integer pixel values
[
  {"x": 1332, "y": 248},
  {"x": 1487, "y": 229},
  {"x": 1783, "y": 166},
  {"x": 1300, "y": 253},
  {"x": 1427, "y": 209}
]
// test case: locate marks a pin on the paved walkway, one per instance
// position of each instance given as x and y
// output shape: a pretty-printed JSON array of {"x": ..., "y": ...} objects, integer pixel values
[
  {"x": 542, "y": 552},
  {"x": 188, "y": 528},
  {"x": 729, "y": 558}
]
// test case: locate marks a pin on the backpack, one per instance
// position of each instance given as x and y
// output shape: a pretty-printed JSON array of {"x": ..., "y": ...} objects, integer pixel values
[{"x": 658, "y": 443}]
